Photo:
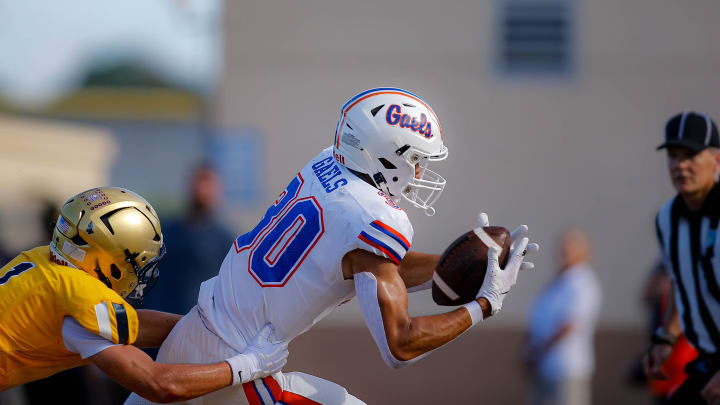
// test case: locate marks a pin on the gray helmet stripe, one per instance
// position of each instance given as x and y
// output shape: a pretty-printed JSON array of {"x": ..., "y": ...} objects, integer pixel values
[
  {"x": 681, "y": 128},
  {"x": 708, "y": 129}
]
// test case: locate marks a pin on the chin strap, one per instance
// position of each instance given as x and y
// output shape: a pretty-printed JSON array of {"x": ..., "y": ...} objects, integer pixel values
[
  {"x": 380, "y": 181},
  {"x": 378, "y": 177}
]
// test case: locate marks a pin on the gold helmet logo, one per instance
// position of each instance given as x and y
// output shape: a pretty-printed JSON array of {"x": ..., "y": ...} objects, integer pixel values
[{"x": 114, "y": 235}]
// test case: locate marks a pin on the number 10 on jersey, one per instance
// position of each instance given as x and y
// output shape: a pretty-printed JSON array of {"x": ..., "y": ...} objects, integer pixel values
[{"x": 284, "y": 236}]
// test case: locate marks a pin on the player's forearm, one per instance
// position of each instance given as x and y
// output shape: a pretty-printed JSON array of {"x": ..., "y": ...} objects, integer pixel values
[
  {"x": 427, "y": 333},
  {"x": 671, "y": 319},
  {"x": 166, "y": 383},
  {"x": 417, "y": 268},
  {"x": 154, "y": 327},
  {"x": 179, "y": 382},
  {"x": 136, "y": 371}
]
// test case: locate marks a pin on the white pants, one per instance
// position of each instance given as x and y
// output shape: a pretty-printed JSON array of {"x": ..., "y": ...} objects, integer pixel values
[{"x": 191, "y": 342}]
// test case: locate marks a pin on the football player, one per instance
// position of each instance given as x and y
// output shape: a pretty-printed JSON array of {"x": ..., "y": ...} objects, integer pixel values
[
  {"x": 336, "y": 232},
  {"x": 63, "y": 306}
]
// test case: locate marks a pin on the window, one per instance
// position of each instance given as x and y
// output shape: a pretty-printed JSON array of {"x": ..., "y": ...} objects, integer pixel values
[{"x": 535, "y": 37}]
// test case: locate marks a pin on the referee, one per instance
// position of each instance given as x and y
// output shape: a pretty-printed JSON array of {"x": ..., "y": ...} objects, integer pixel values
[{"x": 686, "y": 229}]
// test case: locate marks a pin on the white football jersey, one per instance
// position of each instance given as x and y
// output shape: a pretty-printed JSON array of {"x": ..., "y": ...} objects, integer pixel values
[{"x": 287, "y": 270}]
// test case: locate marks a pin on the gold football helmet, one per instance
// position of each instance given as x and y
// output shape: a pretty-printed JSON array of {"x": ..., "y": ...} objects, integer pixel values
[{"x": 114, "y": 235}]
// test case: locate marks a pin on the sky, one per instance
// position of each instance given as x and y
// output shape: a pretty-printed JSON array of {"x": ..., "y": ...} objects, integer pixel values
[{"x": 46, "y": 46}]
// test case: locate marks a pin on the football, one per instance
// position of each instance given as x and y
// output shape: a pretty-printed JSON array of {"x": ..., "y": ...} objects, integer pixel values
[{"x": 461, "y": 270}]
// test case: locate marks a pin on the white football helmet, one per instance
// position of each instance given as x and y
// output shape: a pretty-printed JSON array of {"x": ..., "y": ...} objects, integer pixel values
[{"x": 384, "y": 133}]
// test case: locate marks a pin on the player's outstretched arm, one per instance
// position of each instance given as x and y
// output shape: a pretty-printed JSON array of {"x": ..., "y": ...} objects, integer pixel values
[
  {"x": 383, "y": 299},
  {"x": 158, "y": 382},
  {"x": 154, "y": 327}
]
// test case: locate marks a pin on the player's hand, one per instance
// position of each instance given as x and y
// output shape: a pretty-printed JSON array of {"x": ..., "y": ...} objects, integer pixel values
[
  {"x": 711, "y": 392},
  {"x": 654, "y": 360},
  {"x": 271, "y": 356},
  {"x": 498, "y": 282},
  {"x": 515, "y": 236},
  {"x": 261, "y": 358}
]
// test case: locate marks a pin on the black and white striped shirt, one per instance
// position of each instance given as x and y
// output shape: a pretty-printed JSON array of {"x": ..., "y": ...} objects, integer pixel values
[{"x": 690, "y": 247}]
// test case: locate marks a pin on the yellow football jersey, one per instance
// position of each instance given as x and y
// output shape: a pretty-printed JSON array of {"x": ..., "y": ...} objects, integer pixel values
[{"x": 37, "y": 291}]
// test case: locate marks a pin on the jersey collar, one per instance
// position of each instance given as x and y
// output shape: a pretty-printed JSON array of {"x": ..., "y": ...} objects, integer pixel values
[{"x": 58, "y": 258}]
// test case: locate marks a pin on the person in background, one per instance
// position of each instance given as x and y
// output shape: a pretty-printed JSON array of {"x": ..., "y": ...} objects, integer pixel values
[
  {"x": 197, "y": 244},
  {"x": 686, "y": 228},
  {"x": 561, "y": 327}
]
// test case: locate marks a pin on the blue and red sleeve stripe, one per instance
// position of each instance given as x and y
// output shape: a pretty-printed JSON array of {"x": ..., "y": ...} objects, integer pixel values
[
  {"x": 383, "y": 247},
  {"x": 389, "y": 231}
]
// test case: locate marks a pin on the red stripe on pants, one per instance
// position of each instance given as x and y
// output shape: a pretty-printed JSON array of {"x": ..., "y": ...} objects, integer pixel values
[
  {"x": 291, "y": 398},
  {"x": 286, "y": 397},
  {"x": 251, "y": 395},
  {"x": 274, "y": 387}
]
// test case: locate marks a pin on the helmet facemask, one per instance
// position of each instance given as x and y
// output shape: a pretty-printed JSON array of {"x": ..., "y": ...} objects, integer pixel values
[
  {"x": 147, "y": 275},
  {"x": 424, "y": 190}
]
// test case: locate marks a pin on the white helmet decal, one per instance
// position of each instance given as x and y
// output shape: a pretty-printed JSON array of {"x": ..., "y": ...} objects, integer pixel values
[{"x": 391, "y": 135}]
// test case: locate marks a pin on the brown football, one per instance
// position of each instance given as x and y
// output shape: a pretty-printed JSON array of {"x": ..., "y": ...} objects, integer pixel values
[{"x": 461, "y": 270}]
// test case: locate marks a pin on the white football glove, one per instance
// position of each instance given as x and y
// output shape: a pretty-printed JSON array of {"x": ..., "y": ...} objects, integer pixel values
[
  {"x": 260, "y": 358},
  {"x": 498, "y": 282},
  {"x": 483, "y": 219},
  {"x": 514, "y": 237}
]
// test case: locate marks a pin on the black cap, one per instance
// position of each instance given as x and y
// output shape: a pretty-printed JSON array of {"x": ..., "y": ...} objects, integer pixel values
[{"x": 692, "y": 130}]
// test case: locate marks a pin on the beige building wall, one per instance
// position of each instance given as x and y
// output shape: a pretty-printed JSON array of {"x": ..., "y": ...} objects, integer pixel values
[
  {"x": 45, "y": 161},
  {"x": 576, "y": 150}
]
